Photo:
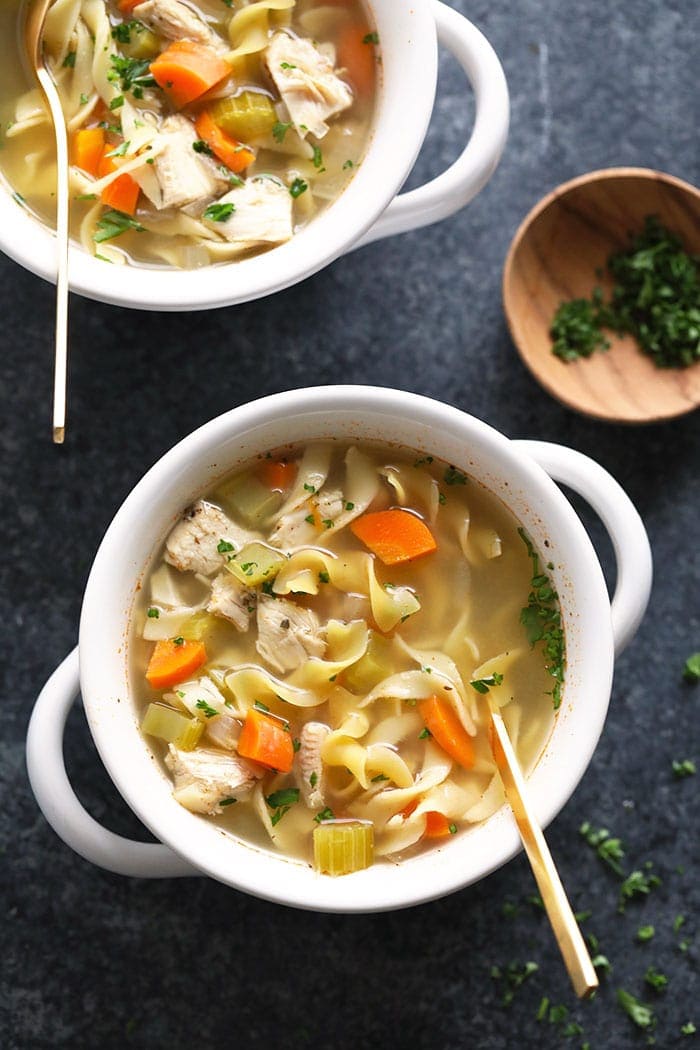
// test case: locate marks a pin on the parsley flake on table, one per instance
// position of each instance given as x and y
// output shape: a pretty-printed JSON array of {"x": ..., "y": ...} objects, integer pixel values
[
  {"x": 691, "y": 669},
  {"x": 638, "y": 1012},
  {"x": 684, "y": 768}
]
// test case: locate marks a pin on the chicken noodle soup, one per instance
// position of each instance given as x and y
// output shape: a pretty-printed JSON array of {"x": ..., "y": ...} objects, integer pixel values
[
  {"x": 199, "y": 132},
  {"x": 315, "y": 643}
]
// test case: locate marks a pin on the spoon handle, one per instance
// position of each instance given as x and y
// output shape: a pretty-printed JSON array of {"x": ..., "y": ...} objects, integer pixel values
[
  {"x": 569, "y": 938},
  {"x": 61, "y": 343}
]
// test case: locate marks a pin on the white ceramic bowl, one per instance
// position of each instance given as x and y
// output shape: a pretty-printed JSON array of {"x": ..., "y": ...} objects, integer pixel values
[
  {"x": 364, "y": 212},
  {"x": 519, "y": 472}
]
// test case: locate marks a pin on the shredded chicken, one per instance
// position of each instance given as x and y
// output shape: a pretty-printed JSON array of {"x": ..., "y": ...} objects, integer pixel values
[
  {"x": 311, "y": 773},
  {"x": 232, "y": 601},
  {"x": 308, "y": 85},
  {"x": 294, "y": 529},
  {"x": 204, "y": 778},
  {"x": 261, "y": 214},
  {"x": 185, "y": 177},
  {"x": 192, "y": 544},
  {"x": 287, "y": 634},
  {"x": 175, "y": 21}
]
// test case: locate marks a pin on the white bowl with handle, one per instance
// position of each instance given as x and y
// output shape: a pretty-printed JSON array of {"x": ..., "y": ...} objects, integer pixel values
[
  {"x": 369, "y": 208},
  {"x": 521, "y": 473}
]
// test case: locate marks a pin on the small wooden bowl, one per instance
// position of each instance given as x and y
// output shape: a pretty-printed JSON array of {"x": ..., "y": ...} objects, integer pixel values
[{"x": 554, "y": 256}]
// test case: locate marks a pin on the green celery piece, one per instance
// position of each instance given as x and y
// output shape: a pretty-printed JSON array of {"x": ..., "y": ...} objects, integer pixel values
[
  {"x": 247, "y": 116},
  {"x": 255, "y": 563},
  {"x": 343, "y": 846},
  {"x": 172, "y": 726}
]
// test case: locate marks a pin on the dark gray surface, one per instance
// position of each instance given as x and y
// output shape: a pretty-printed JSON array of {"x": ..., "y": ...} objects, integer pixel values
[{"x": 93, "y": 960}]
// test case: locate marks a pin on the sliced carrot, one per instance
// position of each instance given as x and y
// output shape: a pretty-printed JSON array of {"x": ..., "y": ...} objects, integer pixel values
[
  {"x": 278, "y": 474},
  {"x": 233, "y": 154},
  {"x": 394, "y": 535},
  {"x": 121, "y": 194},
  {"x": 447, "y": 730},
  {"x": 172, "y": 661},
  {"x": 437, "y": 826},
  {"x": 127, "y": 6},
  {"x": 264, "y": 739},
  {"x": 87, "y": 147},
  {"x": 356, "y": 53},
  {"x": 186, "y": 69}
]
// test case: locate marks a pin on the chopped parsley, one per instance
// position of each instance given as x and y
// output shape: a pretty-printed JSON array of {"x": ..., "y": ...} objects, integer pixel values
[
  {"x": 424, "y": 734},
  {"x": 116, "y": 102},
  {"x": 348, "y": 164},
  {"x": 541, "y": 619},
  {"x": 153, "y": 613},
  {"x": 638, "y": 1012},
  {"x": 120, "y": 150},
  {"x": 370, "y": 38},
  {"x": 324, "y": 577},
  {"x": 209, "y": 711},
  {"x": 645, "y": 933},
  {"x": 113, "y": 223},
  {"x": 688, "y": 1028},
  {"x": 349, "y": 505},
  {"x": 227, "y": 801},
  {"x": 69, "y": 60},
  {"x": 219, "y": 212},
  {"x": 200, "y": 146},
  {"x": 686, "y": 768},
  {"x": 310, "y": 519},
  {"x": 223, "y": 546},
  {"x": 281, "y": 802},
  {"x": 279, "y": 130},
  {"x": 379, "y": 777},
  {"x": 655, "y": 980},
  {"x": 610, "y": 850},
  {"x": 287, "y": 65},
  {"x": 655, "y": 299},
  {"x": 260, "y": 706},
  {"x": 637, "y": 884},
  {"x": 179, "y": 640},
  {"x": 483, "y": 685},
  {"x": 324, "y": 814},
  {"x": 512, "y": 977},
  {"x": 691, "y": 670},
  {"x": 453, "y": 476},
  {"x": 133, "y": 74},
  {"x": 313, "y": 779},
  {"x": 317, "y": 160},
  {"x": 309, "y": 488},
  {"x": 298, "y": 187}
]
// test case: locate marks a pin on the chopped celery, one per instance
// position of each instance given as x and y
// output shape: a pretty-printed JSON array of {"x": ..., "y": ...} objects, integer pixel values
[
  {"x": 198, "y": 625},
  {"x": 142, "y": 43},
  {"x": 255, "y": 563},
  {"x": 245, "y": 116},
  {"x": 172, "y": 726},
  {"x": 249, "y": 499},
  {"x": 343, "y": 846},
  {"x": 372, "y": 667}
]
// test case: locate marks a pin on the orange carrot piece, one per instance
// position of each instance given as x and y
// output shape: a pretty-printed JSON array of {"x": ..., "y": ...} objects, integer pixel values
[
  {"x": 394, "y": 535},
  {"x": 233, "y": 154},
  {"x": 447, "y": 730},
  {"x": 356, "y": 53},
  {"x": 121, "y": 194},
  {"x": 409, "y": 808},
  {"x": 127, "y": 6},
  {"x": 185, "y": 70},
  {"x": 87, "y": 147},
  {"x": 174, "y": 660},
  {"x": 264, "y": 739},
  {"x": 277, "y": 474},
  {"x": 437, "y": 826}
]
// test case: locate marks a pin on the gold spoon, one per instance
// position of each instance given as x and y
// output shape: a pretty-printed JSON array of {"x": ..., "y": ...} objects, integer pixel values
[
  {"x": 33, "y": 34},
  {"x": 569, "y": 938}
]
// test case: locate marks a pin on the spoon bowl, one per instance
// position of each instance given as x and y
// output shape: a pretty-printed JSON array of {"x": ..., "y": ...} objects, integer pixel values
[{"x": 559, "y": 253}]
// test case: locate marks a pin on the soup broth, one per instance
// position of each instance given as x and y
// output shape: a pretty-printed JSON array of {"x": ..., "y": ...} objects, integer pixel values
[
  {"x": 199, "y": 132},
  {"x": 315, "y": 643}
]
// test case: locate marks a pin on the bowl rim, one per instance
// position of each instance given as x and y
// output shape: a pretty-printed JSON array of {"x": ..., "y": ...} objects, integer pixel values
[
  {"x": 260, "y": 872},
  {"x": 409, "y": 78}
]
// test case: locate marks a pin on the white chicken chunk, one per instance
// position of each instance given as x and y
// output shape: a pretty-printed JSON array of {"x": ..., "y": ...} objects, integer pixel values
[
  {"x": 295, "y": 530},
  {"x": 232, "y": 601},
  {"x": 287, "y": 634},
  {"x": 192, "y": 546},
  {"x": 204, "y": 778},
  {"x": 175, "y": 21},
  {"x": 184, "y": 176},
  {"x": 261, "y": 214},
  {"x": 308, "y": 85},
  {"x": 311, "y": 773}
]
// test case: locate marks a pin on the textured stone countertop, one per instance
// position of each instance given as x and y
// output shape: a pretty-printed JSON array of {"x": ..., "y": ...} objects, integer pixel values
[{"x": 93, "y": 960}]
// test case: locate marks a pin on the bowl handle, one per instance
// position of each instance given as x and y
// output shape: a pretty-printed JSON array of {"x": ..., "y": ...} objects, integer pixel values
[
  {"x": 58, "y": 802},
  {"x": 622, "y": 521},
  {"x": 456, "y": 186}
]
